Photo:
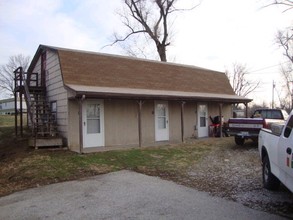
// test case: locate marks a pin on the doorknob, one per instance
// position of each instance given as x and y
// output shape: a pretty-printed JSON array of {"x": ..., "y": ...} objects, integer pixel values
[
  {"x": 84, "y": 123},
  {"x": 289, "y": 150}
]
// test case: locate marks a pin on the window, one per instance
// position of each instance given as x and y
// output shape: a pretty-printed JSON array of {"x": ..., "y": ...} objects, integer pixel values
[
  {"x": 202, "y": 115},
  {"x": 162, "y": 116},
  {"x": 269, "y": 114},
  {"x": 288, "y": 128},
  {"x": 54, "y": 111},
  {"x": 277, "y": 115},
  {"x": 93, "y": 114}
]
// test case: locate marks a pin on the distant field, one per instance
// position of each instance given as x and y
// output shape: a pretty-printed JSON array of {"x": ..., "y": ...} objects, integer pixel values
[{"x": 8, "y": 120}]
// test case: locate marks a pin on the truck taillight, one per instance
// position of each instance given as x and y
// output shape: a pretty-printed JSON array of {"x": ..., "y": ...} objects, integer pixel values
[{"x": 265, "y": 124}]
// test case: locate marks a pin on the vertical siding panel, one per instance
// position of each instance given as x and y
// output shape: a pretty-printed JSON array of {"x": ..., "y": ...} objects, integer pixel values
[{"x": 56, "y": 91}]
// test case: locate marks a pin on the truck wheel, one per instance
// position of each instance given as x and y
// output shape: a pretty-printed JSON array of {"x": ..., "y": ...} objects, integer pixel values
[
  {"x": 269, "y": 180},
  {"x": 239, "y": 140}
]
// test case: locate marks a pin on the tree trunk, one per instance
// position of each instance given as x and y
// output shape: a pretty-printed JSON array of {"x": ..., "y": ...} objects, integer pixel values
[{"x": 162, "y": 52}]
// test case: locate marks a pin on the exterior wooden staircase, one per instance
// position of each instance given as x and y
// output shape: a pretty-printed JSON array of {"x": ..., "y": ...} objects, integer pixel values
[{"x": 41, "y": 120}]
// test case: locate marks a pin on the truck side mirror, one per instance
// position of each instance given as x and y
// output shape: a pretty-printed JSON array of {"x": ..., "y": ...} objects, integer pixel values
[
  {"x": 287, "y": 131},
  {"x": 277, "y": 129}
]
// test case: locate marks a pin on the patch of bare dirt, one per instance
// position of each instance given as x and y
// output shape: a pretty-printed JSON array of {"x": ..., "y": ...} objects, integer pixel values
[{"x": 235, "y": 173}]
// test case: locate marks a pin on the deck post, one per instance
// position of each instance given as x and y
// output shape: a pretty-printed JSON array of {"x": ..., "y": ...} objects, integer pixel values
[
  {"x": 140, "y": 102},
  {"x": 15, "y": 113},
  {"x": 182, "y": 121},
  {"x": 246, "y": 109},
  {"x": 20, "y": 114},
  {"x": 80, "y": 124},
  {"x": 221, "y": 119}
]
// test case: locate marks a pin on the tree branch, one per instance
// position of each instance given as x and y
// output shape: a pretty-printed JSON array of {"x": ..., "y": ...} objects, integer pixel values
[
  {"x": 151, "y": 17},
  {"x": 287, "y": 3}
]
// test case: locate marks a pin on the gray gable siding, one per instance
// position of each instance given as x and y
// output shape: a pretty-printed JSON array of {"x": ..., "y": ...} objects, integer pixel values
[{"x": 55, "y": 89}]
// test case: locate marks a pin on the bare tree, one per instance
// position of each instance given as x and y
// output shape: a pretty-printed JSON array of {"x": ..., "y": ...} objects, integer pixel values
[
  {"x": 238, "y": 79},
  {"x": 285, "y": 94},
  {"x": 285, "y": 40},
  {"x": 6, "y": 71},
  {"x": 287, "y": 3},
  {"x": 150, "y": 18}
]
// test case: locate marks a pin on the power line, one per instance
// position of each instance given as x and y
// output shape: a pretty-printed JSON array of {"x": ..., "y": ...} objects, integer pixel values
[{"x": 268, "y": 67}]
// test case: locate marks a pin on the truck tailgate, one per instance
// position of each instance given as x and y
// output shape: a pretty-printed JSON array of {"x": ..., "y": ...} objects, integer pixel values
[
  {"x": 245, "y": 127},
  {"x": 246, "y": 123}
]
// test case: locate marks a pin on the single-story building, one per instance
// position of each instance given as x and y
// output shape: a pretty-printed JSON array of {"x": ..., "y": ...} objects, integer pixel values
[
  {"x": 102, "y": 100},
  {"x": 7, "y": 106}
]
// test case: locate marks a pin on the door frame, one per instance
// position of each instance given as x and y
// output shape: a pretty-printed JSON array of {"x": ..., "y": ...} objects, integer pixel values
[
  {"x": 206, "y": 132},
  {"x": 101, "y": 141},
  {"x": 159, "y": 134}
]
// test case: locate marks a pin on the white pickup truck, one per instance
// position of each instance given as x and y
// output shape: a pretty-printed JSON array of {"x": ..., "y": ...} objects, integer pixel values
[{"x": 275, "y": 147}]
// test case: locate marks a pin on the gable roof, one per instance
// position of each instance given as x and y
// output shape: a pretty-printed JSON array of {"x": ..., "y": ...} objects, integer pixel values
[{"x": 97, "y": 73}]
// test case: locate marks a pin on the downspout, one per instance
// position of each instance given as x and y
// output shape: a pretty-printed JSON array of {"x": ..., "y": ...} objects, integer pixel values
[{"x": 80, "y": 124}]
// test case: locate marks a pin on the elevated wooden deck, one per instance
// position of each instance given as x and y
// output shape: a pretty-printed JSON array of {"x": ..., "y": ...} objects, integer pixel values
[{"x": 45, "y": 142}]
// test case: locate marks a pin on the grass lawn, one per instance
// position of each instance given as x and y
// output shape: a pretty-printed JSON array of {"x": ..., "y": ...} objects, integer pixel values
[
  {"x": 6, "y": 120},
  {"x": 23, "y": 167}
]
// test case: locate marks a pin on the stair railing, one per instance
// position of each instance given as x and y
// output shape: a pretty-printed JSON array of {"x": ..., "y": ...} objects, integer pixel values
[{"x": 29, "y": 104}]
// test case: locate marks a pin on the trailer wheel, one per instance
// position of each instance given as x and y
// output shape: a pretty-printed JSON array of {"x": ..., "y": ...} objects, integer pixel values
[
  {"x": 239, "y": 140},
  {"x": 270, "y": 182}
]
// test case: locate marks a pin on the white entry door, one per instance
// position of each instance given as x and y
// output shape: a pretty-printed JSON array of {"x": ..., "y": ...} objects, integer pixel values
[
  {"x": 202, "y": 120},
  {"x": 93, "y": 123},
  {"x": 161, "y": 121}
]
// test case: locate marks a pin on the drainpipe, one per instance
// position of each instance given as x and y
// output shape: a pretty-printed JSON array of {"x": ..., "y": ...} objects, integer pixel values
[{"x": 81, "y": 124}]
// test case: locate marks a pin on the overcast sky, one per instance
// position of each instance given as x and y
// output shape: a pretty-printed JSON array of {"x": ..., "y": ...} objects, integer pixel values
[{"x": 214, "y": 35}]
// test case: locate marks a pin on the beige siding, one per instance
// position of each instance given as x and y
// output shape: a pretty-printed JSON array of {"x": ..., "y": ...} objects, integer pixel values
[
  {"x": 73, "y": 129},
  {"x": 227, "y": 112},
  {"x": 190, "y": 119},
  {"x": 148, "y": 123},
  {"x": 214, "y": 110},
  {"x": 121, "y": 122},
  {"x": 174, "y": 121}
]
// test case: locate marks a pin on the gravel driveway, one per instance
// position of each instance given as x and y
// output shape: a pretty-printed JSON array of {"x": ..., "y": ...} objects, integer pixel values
[{"x": 235, "y": 173}]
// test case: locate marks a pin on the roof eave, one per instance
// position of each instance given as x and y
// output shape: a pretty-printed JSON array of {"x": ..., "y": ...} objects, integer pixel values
[
  {"x": 137, "y": 94},
  {"x": 92, "y": 95}
]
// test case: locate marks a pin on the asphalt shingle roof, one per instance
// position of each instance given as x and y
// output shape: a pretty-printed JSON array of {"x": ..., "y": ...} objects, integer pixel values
[
  {"x": 94, "y": 69},
  {"x": 111, "y": 75}
]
